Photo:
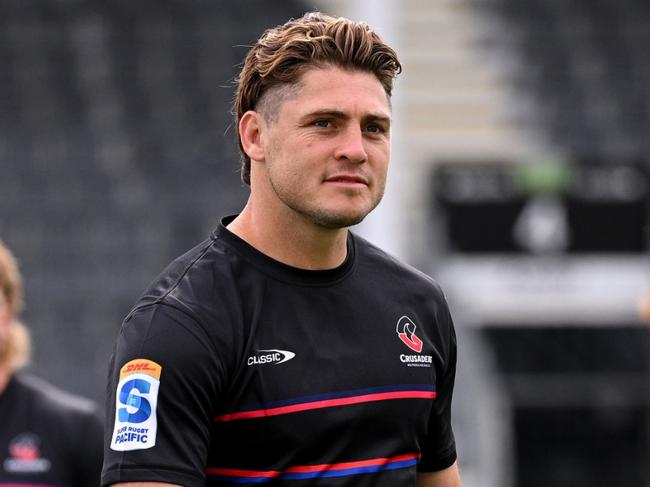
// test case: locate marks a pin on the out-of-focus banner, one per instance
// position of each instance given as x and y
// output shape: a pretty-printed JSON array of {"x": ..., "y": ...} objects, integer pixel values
[{"x": 542, "y": 208}]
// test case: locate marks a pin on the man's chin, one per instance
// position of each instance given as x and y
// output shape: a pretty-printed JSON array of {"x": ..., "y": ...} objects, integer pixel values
[{"x": 335, "y": 220}]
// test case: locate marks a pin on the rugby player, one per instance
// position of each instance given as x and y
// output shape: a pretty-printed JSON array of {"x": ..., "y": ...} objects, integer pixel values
[{"x": 285, "y": 350}]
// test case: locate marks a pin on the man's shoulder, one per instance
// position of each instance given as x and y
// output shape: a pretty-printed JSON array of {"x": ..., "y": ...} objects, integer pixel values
[
  {"x": 195, "y": 284},
  {"x": 199, "y": 268},
  {"x": 380, "y": 261},
  {"x": 196, "y": 264},
  {"x": 51, "y": 400}
]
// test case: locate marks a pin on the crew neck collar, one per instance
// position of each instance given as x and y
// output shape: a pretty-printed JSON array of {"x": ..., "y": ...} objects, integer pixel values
[{"x": 281, "y": 271}]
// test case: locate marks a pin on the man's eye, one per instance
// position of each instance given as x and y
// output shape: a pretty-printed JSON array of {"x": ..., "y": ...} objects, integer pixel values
[
  {"x": 375, "y": 129},
  {"x": 323, "y": 123}
]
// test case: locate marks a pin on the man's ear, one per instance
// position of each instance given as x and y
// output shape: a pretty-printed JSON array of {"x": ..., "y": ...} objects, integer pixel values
[{"x": 251, "y": 126}]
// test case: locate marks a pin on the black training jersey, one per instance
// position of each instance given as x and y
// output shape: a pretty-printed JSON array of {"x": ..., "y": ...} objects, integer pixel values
[
  {"x": 48, "y": 437},
  {"x": 234, "y": 368}
]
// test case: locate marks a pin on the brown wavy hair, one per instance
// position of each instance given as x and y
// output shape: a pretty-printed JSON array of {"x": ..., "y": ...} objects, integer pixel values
[
  {"x": 282, "y": 54},
  {"x": 15, "y": 350}
]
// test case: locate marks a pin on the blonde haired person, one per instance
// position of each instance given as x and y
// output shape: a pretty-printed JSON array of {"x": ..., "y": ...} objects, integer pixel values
[
  {"x": 14, "y": 338},
  {"x": 47, "y": 437},
  {"x": 285, "y": 350}
]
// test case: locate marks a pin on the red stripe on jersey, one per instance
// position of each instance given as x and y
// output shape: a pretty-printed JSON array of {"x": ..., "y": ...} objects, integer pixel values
[
  {"x": 327, "y": 403},
  {"x": 232, "y": 472},
  {"x": 346, "y": 465}
]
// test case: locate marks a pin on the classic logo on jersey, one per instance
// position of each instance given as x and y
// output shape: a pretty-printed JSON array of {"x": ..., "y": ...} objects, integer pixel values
[
  {"x": 135, "y": 406},
  {"x": 406, "y": 333},
  {"x": 25, "y": 455},
  {"x": 274, "y": 357}
]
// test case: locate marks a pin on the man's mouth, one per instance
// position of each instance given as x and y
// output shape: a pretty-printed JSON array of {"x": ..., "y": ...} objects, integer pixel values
[{"x": 347, "y": 180}]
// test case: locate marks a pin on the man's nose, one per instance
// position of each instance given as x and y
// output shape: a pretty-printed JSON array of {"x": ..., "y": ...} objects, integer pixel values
[{"x": 351, "y": 146}]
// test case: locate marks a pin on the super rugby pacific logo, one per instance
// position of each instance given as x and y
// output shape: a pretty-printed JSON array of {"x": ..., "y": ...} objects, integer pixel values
[
  {"x": 406, "y": 333},
  {"x": 270, "y": 357},
  {"x": 136, "y": 400}
]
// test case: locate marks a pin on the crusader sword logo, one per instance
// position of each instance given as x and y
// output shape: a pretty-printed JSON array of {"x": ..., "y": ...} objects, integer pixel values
[{"x": 406, "y": 333}]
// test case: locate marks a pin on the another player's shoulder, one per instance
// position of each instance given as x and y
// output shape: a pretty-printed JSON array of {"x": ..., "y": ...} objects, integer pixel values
[
  {"x": 373, "y": 259},
  {"x": 51, "y": 400}
]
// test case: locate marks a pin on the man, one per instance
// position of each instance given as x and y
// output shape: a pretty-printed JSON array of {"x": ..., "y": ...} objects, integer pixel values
[
  {"x": 47, "y": 437},
  {"x": 286, "y": 350}
]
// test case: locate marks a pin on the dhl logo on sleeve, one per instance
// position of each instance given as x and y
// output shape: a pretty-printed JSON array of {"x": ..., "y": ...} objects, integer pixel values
[{"x": 141, "y": 366}]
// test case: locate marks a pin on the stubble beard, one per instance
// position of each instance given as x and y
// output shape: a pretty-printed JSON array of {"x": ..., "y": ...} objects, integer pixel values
[
  {"x": 332, "y": 220},
  {"x": 323, "y": 217}
]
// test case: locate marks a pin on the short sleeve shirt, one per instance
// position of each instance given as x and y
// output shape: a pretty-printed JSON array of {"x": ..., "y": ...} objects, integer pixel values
[{"x": 236, "y": 369}]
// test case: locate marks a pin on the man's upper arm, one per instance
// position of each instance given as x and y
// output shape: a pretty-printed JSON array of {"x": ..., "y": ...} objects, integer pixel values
[
  {"x": 176, "y": 400},
  {"x": 449, "y": 477}
]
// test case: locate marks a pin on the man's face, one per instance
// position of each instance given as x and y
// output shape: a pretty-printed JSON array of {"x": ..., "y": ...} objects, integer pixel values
[{"x": 326, "y": 151}]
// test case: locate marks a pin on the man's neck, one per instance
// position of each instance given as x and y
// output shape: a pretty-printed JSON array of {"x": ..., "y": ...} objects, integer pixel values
[{"x": 297, "y": 243}]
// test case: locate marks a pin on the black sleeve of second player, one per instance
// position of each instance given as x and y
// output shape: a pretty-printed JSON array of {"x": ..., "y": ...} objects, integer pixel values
[{"x": 190, "y": 383}]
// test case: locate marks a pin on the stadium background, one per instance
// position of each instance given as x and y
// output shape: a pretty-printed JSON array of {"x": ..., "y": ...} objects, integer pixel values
[{"x": 519, "y": 180}]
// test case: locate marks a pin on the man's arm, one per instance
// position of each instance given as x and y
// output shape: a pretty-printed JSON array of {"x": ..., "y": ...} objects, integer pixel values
[{"x": 448, "y": 477}]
